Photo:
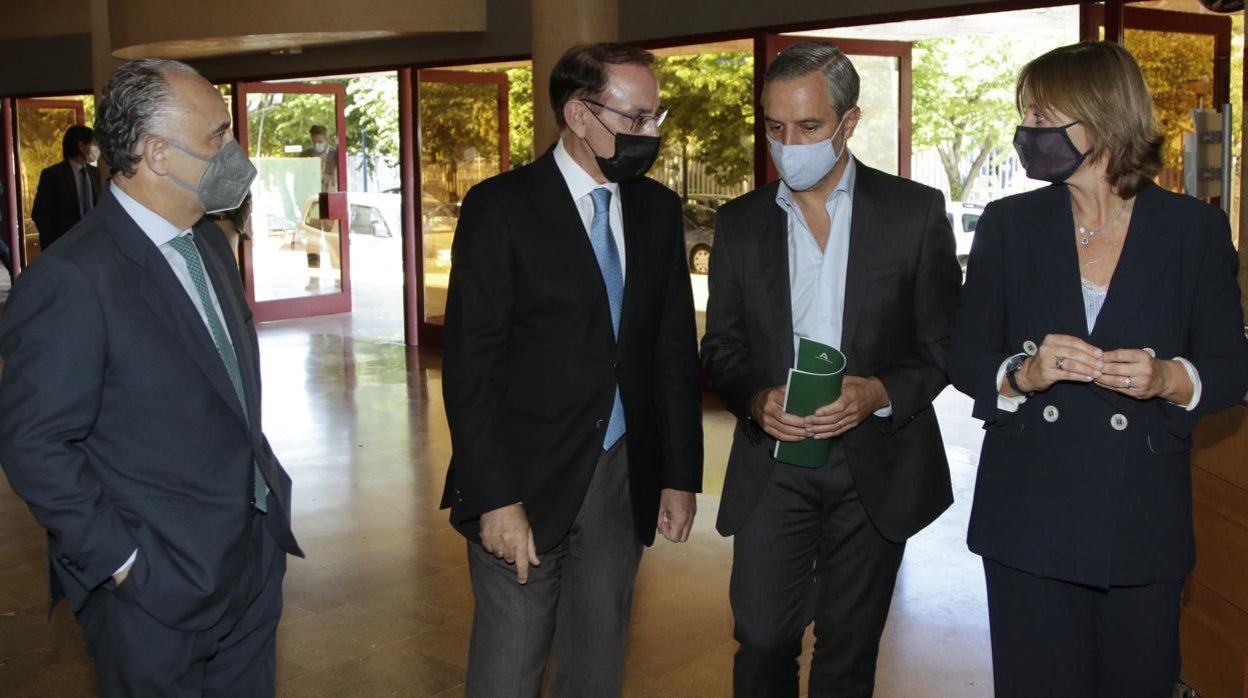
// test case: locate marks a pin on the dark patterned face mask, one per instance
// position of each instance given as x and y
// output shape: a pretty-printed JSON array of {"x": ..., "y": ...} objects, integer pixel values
[{"x": 1047, "y": 153}]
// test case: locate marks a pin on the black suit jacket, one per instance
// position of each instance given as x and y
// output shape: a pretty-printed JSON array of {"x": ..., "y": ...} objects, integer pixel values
[
  {"x": 56, "y": 209},
  {"x": 1070, "y": 496},
  {"x": 900, "y": 293},
  {"x": 531, "y": 365},
  {"x": 119, "y": 425}
]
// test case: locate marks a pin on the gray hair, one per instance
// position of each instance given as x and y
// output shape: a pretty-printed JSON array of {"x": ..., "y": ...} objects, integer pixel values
[
  {"x": 137, "y": 103},
  {"x": 809, "y": 56}
]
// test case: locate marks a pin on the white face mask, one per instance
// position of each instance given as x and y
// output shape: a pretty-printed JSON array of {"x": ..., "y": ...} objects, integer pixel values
[
  {"x": 320, "y": 147},
  {"x": 803, "y": 165}
]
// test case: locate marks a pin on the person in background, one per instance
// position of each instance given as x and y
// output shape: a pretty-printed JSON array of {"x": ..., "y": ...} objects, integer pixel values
[
  {"x": 68, "y": 190},
  {"x": 319, "y": 147},
  {"x": 1100, "y": 319}
]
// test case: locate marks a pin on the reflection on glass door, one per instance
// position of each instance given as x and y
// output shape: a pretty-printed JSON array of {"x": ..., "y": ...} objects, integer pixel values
[
  {"x": 463, "y": 137},
  {"x": 882, "y": 138},
  {"x": 294, "y": 133},
  {"x": 41, "y": 124}
]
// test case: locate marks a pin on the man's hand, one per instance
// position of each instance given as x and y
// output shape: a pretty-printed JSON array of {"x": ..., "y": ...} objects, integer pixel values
[
  {"x": 676, "y": 511},
  {"x": 859, "y": 398},
  {"x": 767, "y": 408},
  {"x": 505, "y": 533}
]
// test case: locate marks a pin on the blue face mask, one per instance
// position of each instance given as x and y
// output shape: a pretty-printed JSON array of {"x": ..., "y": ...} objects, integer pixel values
[{"x": 802, "y": 166}]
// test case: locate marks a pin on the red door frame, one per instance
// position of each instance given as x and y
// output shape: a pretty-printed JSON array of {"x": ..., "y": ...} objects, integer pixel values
[
  {"x": 331, "y": 206},
  {"x": 1170, "y": 22},
  {"x": 18, "y": 225},
  {"x": 419, "y": 330},
  {"x": 9, "y": 172},
  {"x": 768, "y": 45}
]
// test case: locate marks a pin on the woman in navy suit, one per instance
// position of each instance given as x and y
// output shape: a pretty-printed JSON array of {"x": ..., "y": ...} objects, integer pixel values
[{"x": 1100, "y": 318}]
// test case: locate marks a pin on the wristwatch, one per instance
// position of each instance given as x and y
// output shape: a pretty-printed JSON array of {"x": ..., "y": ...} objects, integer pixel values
[{"x": 1011, "y": 368}]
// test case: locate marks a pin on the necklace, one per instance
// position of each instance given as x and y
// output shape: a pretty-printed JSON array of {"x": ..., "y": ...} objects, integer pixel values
[{"x": 1086, "y": 234}]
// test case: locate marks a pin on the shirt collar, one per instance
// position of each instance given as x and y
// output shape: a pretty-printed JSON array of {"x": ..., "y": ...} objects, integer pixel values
[
  {"x": 579, "y": 182},
  {"x": 784, "y": 196},
  {"x": 159, "y": 230}
]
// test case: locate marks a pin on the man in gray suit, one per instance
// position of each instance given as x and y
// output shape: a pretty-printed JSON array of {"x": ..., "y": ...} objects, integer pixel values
[{"x": 864, "y": 261}]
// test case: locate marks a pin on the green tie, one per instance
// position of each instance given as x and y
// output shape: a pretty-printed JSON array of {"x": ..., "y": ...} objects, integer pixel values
[{"x": 195, "y": 266}]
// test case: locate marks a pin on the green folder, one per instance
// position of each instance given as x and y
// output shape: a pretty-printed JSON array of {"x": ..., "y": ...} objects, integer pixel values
[{"x": 814, "y": 382}]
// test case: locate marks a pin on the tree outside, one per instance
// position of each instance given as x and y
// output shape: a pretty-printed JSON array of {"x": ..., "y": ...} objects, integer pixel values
[{"x": 710, "y": 125}]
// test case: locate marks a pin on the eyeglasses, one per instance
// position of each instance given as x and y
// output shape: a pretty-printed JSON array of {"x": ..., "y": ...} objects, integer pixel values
[{"x": 636, "y": 122}]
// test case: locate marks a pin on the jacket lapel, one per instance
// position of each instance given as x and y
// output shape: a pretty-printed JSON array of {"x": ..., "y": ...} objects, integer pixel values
[
  {"x": 234, "y": 314},
  {"x": 1056, "y": 267},
  {"x": 167, "y": 299},
  {"x": 560, "y": 219},
  {"x": 636, "y": 227},
  {"x": 1138, "y": 269},
  {"x": 866, "y": 250},
  {"x": 773, "y": 265}
]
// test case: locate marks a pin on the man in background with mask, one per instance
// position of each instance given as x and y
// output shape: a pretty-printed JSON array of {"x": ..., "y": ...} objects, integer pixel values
[
  {"x": 571, "y": 384},
  {"x": 863, "y": 261},
  {"x": 130, "y": 407},
  {"x": 68, "y": 190},
  {"x": 320, "y": 147}
]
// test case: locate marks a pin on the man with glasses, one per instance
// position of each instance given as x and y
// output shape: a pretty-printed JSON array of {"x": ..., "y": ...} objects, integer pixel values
[{"x": 571, "y": 385}]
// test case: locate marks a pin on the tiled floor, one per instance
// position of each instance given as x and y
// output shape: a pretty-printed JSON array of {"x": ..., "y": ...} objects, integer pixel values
[{"x": 381, "y": 605}]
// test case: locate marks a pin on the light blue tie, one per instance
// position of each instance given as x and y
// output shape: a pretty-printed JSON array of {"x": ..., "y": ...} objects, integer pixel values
[
  {"x": 609, "y": 263},
  {"x": 185, "y": 246}
]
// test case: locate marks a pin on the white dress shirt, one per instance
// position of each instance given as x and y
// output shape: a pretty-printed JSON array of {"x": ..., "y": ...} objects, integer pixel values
[
  {"x": 580, "y": 183},
  {"x": 817, "y": 276}
]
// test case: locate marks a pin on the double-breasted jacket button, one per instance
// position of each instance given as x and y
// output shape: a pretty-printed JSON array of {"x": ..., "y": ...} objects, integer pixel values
[
  {"x": 1150, "y": 351},
  {"x": 600, "y": 424},
  {"x": 1030, "y": 347},
  {"x": 1118, "y": 422},
  {"x": 1050, "y": 413}
]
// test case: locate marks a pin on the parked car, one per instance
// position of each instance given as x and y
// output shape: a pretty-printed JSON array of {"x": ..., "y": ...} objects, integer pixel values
[
  {"x": 368, "y": 213},
  {"x": 963, "y": 218},
  {"x": 699, "y": 236},
  {"x": 439, "y": 232}
]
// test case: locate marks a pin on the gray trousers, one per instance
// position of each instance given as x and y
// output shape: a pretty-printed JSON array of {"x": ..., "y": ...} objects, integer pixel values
[{"x": 574, "y": 610}]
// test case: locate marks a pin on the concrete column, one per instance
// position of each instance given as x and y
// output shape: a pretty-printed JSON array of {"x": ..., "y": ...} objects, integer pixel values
[
  {"x": 557, "y": 25},
  {"x": 102, "y": 61}
]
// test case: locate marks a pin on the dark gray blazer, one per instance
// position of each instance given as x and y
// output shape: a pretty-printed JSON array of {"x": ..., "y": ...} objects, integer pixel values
[
  {"x": 119, "y": 425},
  {"x": 900, "y": 293}
]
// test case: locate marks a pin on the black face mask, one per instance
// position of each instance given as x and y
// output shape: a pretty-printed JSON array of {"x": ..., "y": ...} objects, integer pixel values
[
  {"x": 634, "y": 156},
  {"x": 1047, "y": 153}
]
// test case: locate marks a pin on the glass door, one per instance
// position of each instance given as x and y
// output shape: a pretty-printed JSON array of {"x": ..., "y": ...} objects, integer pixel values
[
  {"x": 1186, "y": 60},
  {"x": 463, "y": 138},
  {"x": 296, "y": 263},
  {"x": 882, "y": 139},
  {"x": 40, "y": 126}
]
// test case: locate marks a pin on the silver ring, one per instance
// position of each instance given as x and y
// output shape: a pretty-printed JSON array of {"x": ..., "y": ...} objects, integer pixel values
[
  {"x": 1060, "y": 363},
  {"x": 1129, "y": 383}
]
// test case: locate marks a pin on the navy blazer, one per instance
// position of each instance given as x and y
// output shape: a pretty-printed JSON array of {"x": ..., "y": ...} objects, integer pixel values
[
  {"x": 531, "y": 366},
  {"x": 119, "y": 425},
  {"x": 1082, "y": 483},
  {"x": 901, "y": 289}
]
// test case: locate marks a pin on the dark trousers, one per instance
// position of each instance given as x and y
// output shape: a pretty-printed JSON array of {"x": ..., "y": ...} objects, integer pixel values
[
  {"x": 807, "y": 553},
  {"x": 136, "y": 656},
  {"x": 574, "y": 610},
  {"x": 1056, "y": 638}
]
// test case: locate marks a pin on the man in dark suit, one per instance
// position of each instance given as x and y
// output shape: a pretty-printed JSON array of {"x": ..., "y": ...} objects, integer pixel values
[
  {"x": 571, "y": 384},
  {"x": 130, "y": 408},
  {"x": 864, "y": 261},
  {"x": 69, "y": 189}
]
